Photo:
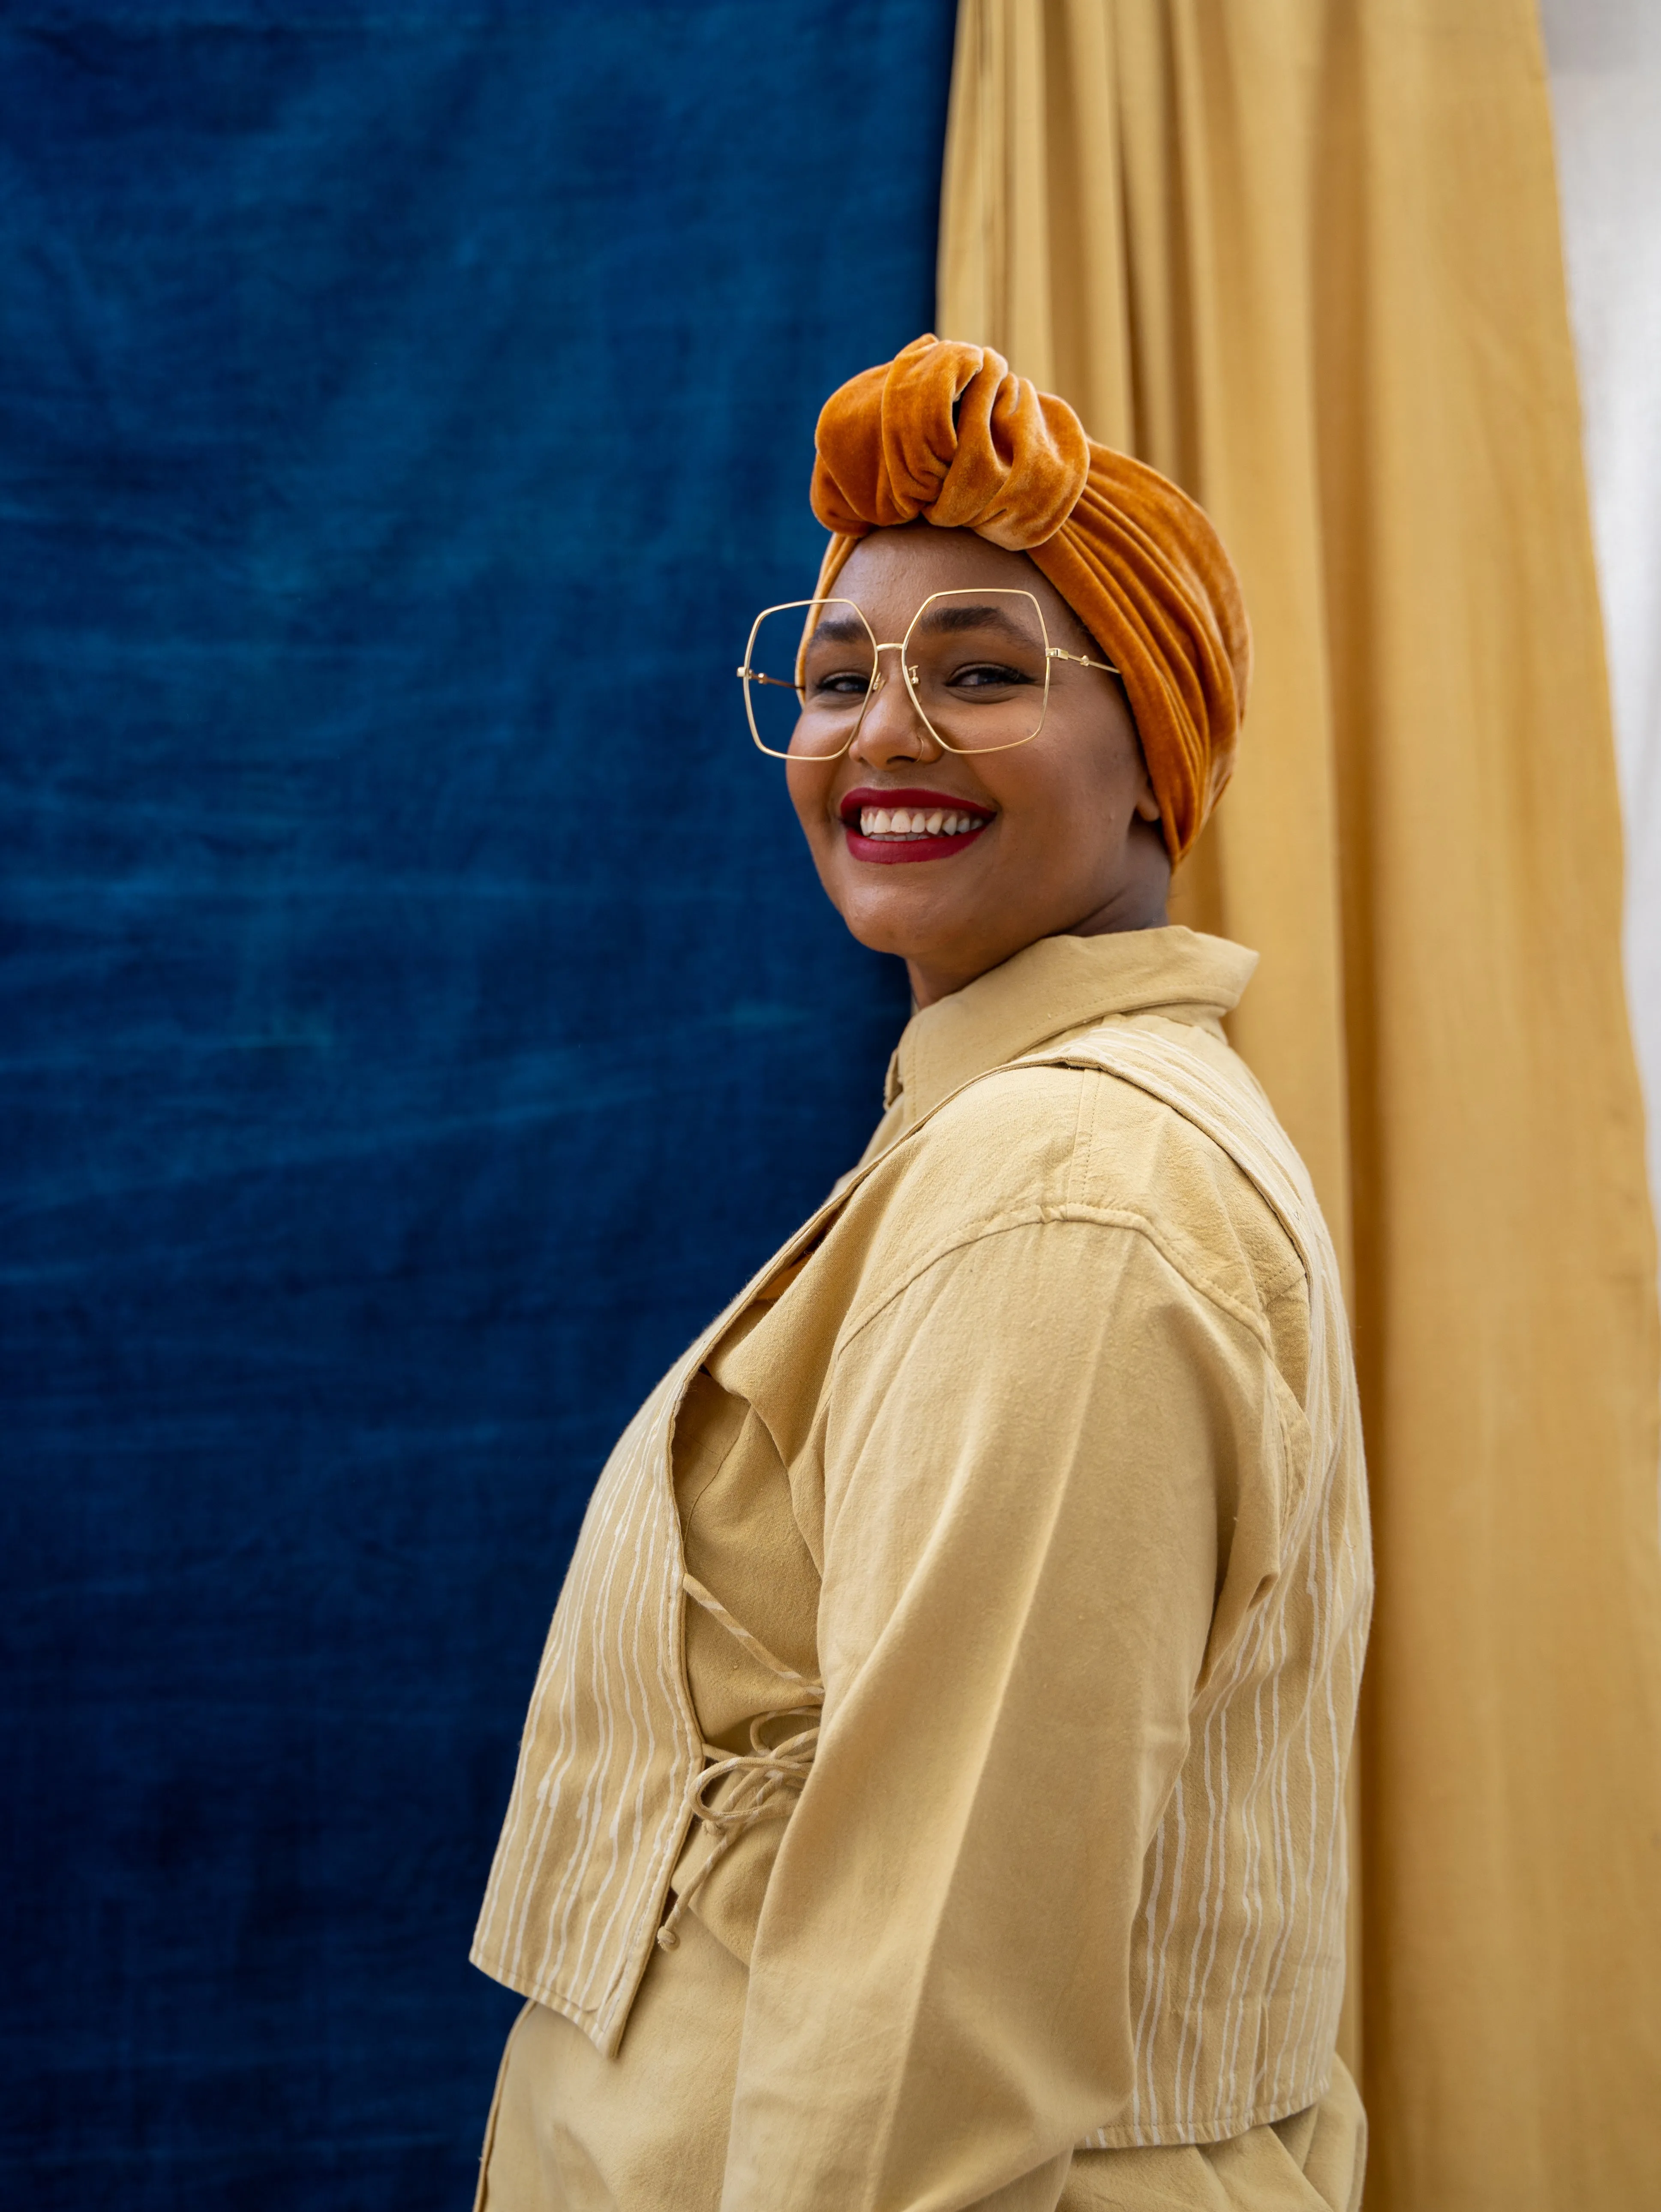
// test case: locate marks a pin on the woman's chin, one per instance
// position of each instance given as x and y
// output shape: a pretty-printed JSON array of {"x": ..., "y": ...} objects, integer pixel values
[
  {"x": 889, "y": 921},
  {"x": 878, "y": 934},
  {"x": 949, "y": 956}
]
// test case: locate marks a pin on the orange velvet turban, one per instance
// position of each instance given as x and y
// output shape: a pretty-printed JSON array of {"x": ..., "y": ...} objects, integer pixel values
[{"x": 945, "y": 431}]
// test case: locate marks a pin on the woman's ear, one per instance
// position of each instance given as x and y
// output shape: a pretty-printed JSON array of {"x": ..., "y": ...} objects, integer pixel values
[{"x": 1147, "y": 800}]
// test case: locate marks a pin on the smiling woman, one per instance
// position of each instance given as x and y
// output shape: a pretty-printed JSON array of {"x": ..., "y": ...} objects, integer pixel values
[
  {"x": 1041, "y": 752},
  {"x": 932, "y": 1794}
]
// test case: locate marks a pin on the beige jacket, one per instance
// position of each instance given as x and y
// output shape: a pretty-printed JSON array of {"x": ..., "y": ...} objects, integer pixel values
[{"x": 1038, "y": 1446}]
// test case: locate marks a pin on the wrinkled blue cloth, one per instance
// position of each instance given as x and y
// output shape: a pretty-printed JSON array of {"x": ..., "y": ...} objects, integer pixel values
[{"x": 420, "y": 1013}]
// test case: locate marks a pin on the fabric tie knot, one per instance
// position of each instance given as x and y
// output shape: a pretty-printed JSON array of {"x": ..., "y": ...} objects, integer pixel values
[
  {"x": 947, "y": 432},
  {"x": 766, "y": 1780}
]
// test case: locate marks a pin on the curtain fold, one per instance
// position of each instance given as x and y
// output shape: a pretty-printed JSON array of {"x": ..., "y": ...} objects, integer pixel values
[{"x": 1303, "y": 257}]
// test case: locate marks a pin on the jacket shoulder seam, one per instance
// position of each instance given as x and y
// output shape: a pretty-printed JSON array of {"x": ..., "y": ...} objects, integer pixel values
[
  {"x": 1273, "y": 1285},
  {"x": 1036, "y": 1215}
]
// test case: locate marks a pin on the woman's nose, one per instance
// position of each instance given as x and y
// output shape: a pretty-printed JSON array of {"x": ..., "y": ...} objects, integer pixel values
[{"x": 892, "y": 729}]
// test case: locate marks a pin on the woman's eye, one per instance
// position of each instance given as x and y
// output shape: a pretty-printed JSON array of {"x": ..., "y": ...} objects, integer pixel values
[
  {"x": 987, "y": 675},
  {"x": 842, "y": 684}
]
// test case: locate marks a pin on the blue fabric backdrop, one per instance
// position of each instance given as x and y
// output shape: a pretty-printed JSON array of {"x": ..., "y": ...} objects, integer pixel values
[{"x": 420, "y": 1014}]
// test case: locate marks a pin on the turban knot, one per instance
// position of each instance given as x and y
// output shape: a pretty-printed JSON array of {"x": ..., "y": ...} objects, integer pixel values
[{"x": 945, "y": 433}]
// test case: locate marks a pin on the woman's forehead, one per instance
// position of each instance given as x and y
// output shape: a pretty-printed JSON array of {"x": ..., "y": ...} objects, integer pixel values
[{"x": 890, "y": 572}]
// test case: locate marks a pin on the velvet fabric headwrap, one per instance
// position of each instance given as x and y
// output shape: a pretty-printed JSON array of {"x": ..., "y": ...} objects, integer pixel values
[{"x": 945, "y": 432}]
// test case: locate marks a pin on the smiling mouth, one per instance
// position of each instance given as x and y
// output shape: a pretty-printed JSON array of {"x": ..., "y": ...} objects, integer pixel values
[{"x": 910, "y": 825}]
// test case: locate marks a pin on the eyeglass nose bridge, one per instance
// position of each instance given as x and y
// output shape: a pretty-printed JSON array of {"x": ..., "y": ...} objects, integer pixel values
[
  {"x": 913, "y": 675},
  {"x": 892, "y": 645}
]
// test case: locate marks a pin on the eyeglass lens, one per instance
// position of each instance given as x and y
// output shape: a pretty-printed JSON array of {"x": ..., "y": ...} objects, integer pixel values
[{"x": 975, "y": 662}]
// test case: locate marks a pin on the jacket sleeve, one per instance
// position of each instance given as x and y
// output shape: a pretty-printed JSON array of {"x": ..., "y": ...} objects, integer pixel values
[{"x": 1033, "y": 1456}]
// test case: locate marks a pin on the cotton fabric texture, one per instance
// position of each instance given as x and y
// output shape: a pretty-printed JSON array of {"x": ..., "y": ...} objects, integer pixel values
[
  {"x": 1038, "y": 1449},
  {"x": 946, "y": 433}
]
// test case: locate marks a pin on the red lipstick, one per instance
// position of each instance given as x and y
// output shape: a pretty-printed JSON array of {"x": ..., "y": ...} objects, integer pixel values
[{"x": 884, "y": 851}]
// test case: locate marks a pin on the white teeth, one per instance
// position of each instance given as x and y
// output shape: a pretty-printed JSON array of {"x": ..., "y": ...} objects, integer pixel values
[{"x": 915, "y": 822}]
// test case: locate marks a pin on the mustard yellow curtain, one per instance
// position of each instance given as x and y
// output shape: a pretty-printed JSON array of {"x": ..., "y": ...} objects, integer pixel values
[{"x": 1303, "y": 255}]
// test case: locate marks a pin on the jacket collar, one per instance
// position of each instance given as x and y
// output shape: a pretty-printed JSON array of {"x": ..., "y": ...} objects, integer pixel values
[{"x": 1059, "y": 985}]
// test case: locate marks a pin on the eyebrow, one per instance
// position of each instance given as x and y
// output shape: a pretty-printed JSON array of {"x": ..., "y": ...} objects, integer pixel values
[
  {"x": 848, "y": 630},
  {"x": 839, "y": 629},
  {"x": 943, "y": 621}
]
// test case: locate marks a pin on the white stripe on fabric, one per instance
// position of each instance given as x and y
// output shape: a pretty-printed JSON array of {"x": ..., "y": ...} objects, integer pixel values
[{"x": 1290, "y": 1886}]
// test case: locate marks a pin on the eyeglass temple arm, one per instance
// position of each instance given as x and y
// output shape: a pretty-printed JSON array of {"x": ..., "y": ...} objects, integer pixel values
[{"x": 1083, "y": 659}]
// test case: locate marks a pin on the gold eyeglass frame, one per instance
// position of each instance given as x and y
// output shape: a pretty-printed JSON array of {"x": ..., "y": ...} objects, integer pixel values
[{"x": 811, "y": 609}]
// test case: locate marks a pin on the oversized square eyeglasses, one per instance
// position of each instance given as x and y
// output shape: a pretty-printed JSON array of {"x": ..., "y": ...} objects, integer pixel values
[{"x": 976, "y": 663}]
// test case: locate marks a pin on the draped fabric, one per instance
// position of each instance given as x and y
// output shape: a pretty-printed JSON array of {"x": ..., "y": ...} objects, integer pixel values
[
  {"x": 404, "y": 410},
  {"x": 1303, "y": 256}
]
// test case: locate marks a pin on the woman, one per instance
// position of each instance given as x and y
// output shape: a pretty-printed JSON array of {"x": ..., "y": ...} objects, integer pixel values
[{"x": 932, "y": 1793}]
